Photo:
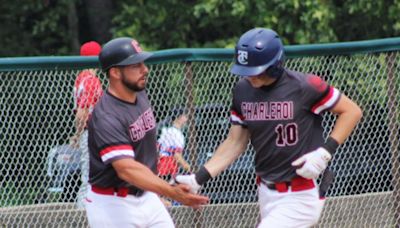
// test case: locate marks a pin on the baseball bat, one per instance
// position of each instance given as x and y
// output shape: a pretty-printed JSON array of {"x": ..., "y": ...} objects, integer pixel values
[{"x": 327, "y": 179}]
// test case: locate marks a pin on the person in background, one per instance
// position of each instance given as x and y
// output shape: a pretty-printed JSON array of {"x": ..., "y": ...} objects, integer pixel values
[
  {"x": 65, "y": 168},
  {"x": 87, "y": 91},
  {"x": 171, "y": 145}
]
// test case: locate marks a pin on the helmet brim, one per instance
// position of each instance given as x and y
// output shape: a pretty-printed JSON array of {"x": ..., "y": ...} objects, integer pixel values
[
  {"x": 246, "y": 71},
  {"x": 135, "y": 58}
]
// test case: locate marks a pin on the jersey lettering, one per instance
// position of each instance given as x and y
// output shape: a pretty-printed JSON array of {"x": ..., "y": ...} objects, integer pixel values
[
  {"x": 276, "y": 110},
  {"x": 144, "y": 123}
]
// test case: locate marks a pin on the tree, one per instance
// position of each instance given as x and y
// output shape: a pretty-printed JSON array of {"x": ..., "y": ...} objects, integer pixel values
[
  {"x": 53, "y": 27},
  {"x": 57, "y": 27},
  {"x": 99, "y": 15}
]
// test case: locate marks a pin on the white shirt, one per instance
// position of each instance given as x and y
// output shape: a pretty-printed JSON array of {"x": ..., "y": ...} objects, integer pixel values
[{"x": 171, "y": 141}]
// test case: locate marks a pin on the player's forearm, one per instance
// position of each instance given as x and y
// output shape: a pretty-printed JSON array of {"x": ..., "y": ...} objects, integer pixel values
[
  {"x": 344, "y": 126},
  {"x": 349, "y": 114},
  {"x": 225, "y": 155},
  {"x": 234, "y": 145},
  {"x": 142, "y": 177}
]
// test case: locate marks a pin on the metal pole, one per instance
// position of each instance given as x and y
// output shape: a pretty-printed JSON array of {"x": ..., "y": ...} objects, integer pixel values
[
  {"x": 189, "y": 95},
  {"x": 192, "y": 144},
  {"x": 392, "y": 89}
]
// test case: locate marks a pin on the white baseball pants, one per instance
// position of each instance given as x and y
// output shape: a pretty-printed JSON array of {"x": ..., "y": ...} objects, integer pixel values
[
  {"x": 108, "y": 211},
  {"x": 300, "y": 209}
]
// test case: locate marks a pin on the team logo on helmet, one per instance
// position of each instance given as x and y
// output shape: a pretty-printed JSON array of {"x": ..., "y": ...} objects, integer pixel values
[
  {"x": 242, "y": 57},
  {"x": 136, "y": 46}
]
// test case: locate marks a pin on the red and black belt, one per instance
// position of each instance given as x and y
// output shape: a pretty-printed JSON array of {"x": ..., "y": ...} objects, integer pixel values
[
  {"x": 118, "y": 191},
  {"x": 296, "y": 184}
]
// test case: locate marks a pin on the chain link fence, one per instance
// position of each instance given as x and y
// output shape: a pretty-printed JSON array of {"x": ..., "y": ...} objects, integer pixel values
[{"x": 40, "y": 172}]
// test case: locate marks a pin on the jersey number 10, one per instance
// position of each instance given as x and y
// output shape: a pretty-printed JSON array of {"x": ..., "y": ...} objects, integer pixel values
[{"x": 287, "y": 135}]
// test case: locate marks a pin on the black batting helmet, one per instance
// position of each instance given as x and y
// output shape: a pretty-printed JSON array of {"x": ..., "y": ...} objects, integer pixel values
[{"x": 121, "y": 52}]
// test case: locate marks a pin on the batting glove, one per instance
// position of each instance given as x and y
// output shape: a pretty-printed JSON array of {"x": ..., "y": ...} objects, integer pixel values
[
  {"x": 189, "y": 180},
  {"x": 312, "y": 164}
]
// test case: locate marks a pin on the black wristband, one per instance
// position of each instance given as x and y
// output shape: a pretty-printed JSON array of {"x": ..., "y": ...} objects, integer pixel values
[
  {"x": 331, "y": 145},
  {"x": 202, "y": 176}
]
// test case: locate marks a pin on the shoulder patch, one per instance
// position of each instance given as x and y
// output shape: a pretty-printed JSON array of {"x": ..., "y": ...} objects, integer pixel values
[{"x": 317, "y": 83}]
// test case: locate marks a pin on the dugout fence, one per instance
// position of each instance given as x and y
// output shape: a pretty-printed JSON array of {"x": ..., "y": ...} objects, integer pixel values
[{"x": 38, "y": 179}]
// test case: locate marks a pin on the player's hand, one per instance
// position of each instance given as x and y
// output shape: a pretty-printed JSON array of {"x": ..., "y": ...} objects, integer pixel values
[
  {"x": 189, "y": 180},
  {"x": 312, "y": 164},
  {"x": 184, "y": 195}
]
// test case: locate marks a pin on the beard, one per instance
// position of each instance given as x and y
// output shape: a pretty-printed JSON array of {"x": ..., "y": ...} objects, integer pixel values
[{"x": 131, "y": 85}]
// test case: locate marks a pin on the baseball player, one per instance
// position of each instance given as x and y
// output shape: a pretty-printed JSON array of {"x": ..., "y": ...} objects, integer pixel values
[
  {"x": 123, "y": 151},
  {"x": 279, "y": 112},
  {"x": 87, "y": 91}
]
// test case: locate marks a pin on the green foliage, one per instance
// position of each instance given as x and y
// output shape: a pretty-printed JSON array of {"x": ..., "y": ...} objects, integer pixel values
[
  {"x": 34, "y": 28},
  {"x": 218, "y": 23},
  {"x": 155, "y": 23},
  {"x": 41, "y": 27},
  {"x": 371, "y": 19}
]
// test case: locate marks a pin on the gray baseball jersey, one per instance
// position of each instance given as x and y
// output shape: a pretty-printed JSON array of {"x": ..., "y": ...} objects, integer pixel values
[
  {"x": 119, "y": 129},
  {"x": 283, "y": 120}
]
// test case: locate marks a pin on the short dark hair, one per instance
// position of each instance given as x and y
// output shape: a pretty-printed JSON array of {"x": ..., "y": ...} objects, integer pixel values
[{"x": 176, "y": 112}]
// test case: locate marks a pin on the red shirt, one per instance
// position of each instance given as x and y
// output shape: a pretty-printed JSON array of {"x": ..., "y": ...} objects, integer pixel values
[{"x": 87, "y": 90}]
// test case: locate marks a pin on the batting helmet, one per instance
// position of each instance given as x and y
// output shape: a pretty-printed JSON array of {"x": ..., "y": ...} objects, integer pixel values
[
  {"x": 121, "y": 52},
  {"x": 256, "y": 51}
]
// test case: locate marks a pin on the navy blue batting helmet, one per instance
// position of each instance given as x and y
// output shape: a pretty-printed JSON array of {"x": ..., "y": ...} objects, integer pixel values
[
  {"x": 121, "y": 52},
  {"x": 257, "y": 50}
]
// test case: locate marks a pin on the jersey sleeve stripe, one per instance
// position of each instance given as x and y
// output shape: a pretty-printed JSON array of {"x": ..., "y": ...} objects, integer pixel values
[
  {"x": 114, "y": 154},
  {"x": 115, "y": 151},
  {"x": 326, "y": 102},
  {"x": 236, "y": 118}
]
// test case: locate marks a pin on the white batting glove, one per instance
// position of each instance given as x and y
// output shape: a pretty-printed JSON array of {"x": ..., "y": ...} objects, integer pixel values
[
  {"x": 312, "y": 164},
  {"x": 188, "y": 180}
]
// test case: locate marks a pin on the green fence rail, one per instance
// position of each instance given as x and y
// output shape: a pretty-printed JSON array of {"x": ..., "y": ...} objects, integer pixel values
[{"x": 197, "y": 54}]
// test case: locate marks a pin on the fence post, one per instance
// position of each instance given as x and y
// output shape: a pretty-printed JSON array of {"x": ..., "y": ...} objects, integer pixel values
[
  {"x": 190, "y": 106},
  {"x": 392, "y": 89},
  {"x": 192, "y": 144}
]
